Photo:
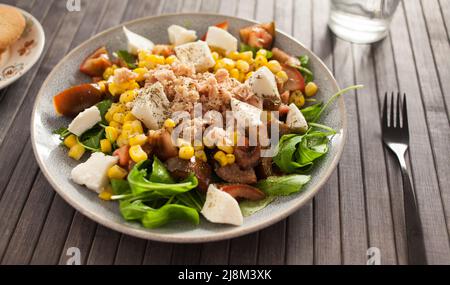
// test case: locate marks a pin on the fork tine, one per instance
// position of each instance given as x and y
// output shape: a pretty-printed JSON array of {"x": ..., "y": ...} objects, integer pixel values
[
  {"x": 405, "y": 114},
  {"x": 398, "y": 110},
  {"x": 384, "y": 114},
  {"x": 391, "y": 121}
]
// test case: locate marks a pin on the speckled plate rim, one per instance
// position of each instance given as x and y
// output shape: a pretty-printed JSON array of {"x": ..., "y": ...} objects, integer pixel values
[
  {"x": 237, "y": 231},
  {"x": 39, "y": 49}
]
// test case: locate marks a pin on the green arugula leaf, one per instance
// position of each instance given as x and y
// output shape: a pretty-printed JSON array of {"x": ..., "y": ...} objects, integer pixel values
[
  {"x": 127, "y": 57},
  {"x": 160, "y": 173},
  {"x": 91, "y": 138},
  {"x": 158, "y": 217},
  {"x": 103, "y": 107},
  {"x": 63, "y": 132},
  {"x": 283, "y": 185},
  {"x": 304, "y": 60},
  {"x": 311, "y": 111},
  {"x": 133, "y": 210}
]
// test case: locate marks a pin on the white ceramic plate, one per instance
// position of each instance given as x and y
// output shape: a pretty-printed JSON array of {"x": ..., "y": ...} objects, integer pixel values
[
  {"x": 56, "y": 165},
  {"x": 24, "y": 53}
]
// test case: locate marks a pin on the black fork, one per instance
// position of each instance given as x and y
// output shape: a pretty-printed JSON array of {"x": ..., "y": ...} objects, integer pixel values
[{"x": 395, "y": 134}]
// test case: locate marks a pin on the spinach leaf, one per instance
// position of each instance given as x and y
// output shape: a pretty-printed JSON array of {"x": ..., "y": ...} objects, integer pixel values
[
  {"x": 133, "y": 210},
  {"x": 120, "y": 186},
  {"x": 160, "y": 173},
  {"x": 283, "y": 185},
  {"x": 140, "y": 184},
  {"x": 127, "y": 57},
  {"x": 304, "y": 60},
  {"x": 63, "y": 132},
  {"x": 103, "y": 107},
  {"x": 158, "y": 217},
  {"x": 311, "y": 111},
  {"x": 249, "y": 207},
  {"x": 246, "y": 47},
  {"x": 285, "y": 158},
  {"x": 312, "y": 146},
  {"x": 91, "y": 138}
]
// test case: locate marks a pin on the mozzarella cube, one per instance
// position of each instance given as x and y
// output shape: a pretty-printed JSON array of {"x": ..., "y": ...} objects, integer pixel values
[
  {"x": 246, "y": 114},
  {"x": 179, "y": 35},
  {"x": 196, "y": 53},
  {"x": 264, "y": 85},
  {"x": 137, "y": 42},
  {"x": 220, "y": 38},
  {"x": 85, "y": 120},
  {"x": 94, "y": 172},
  {"x": 151, "y": 106},
  {"x": 220, "y": 207},
  {"x": 295, "y": 119}
]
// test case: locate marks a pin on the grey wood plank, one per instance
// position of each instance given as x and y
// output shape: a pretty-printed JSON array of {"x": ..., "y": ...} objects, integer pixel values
[
  {"x": 246, "y": 9},
  {"x": 158, "y": 253},
  {"x": 104, "y": 246},
  {"x": 445, "y": 10},
  {"x": 186, "y": 254},
  {"x": 130, "y": 251},
  {"x": 172, "y": 6},
  {"x": 191, "y": 6},
  {"x": 421, "y": 153},
  {"x": 215, "y": 253},
  {"x": 265, "y": 10},
  {"x": 378, "y": 207},
  {"x": 386, "y": 81},
  {"x": 272, "y": 245},
  {"x": 228, "y": 7},
  {"x": 211, "y": 6},
  {"x": 327, "y": 231},
  {"x": 15, "y": 196},
  {"x": 299, "y": 228},
  {"x": 28, "y": 228},
  {"x": 353, "y": 216}
]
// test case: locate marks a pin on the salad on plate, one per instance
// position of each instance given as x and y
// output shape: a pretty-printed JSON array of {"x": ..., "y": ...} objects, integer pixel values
[{"x": 209, "y": 125}]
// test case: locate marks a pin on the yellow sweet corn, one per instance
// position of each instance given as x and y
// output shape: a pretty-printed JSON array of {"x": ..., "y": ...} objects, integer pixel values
[
  {"x": 136, "y": 126},
  {"x": 115, "y": 89},
  {"x": 105, "y": 146},
  {"x": 102, "y": 85},
  {"x": 137, "y": 154},
  {"x": 140, "y": 71},
  {"x": 111, "y": 133},
  {"x": 249, "y": 75},
  {"x": 106, "y": 194},
  {"x": 230, "y": 158},
  {"x": 262, "y": 52},
  {"x": 215, "y": 55},
  {"x": 117, "y": 172},
  {"x": 234, "y": 73},
  {"x": 115, "y": 124},
  {"x": 139, "y": 139},
  {"x": 198, "y": 145},
  {"x": 234, "y": 55},
  {"x": 169, "y": 123},
  {"x": 219, "y": 64},
  {"x": 311, "y": 89},
  {"x": 282, "y": 75},
  {"x": 119, "y": 117},
  {"x": 127, "y": 96},
  {"x": 226, "y": 148},
  {"x": 122, "y": 139},
  {"x": 297, "y": 98},
  {"x": 76, "y": 151},
  {"x": 260, "y": 61},
  {"x": 221, "y": 158},
  {"x": 129, "y": 117},
  {"x": 246, "y": 56},
  {"x": 109, "y": 71},
  {"x": 186, "y": 152},
  {"x": 242, "y": 65},
  {"x": 70, "y": 141},
  {"x": 200, "y": 154},
  {"x": 229, "y": 63},
  {"x": 170, "y": 59},
  {"x": 108, "y": 116},
  {"x": 241, "y": 76},
  {"x": 274, "y": 66}
]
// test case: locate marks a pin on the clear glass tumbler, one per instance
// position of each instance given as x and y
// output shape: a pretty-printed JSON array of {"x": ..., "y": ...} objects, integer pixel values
[{"x": 361, "y": 21}]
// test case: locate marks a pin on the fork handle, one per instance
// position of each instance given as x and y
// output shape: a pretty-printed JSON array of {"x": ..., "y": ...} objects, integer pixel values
[{"x": 414, "y": 233}]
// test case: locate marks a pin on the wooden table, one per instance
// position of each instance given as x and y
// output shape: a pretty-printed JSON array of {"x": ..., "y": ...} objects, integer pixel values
[{"x": 360, "y": 207}]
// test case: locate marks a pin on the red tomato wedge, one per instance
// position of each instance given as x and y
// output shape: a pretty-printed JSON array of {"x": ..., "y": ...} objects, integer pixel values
[
  {"x": 96, "y": 63},
  {"x": 222, "y": 25},
  {"x": 243, "y": 191},
  {"x": 295, "y": 81},
  {"x": 123, "y": 154},
  {"x": 75, "y": 99}
]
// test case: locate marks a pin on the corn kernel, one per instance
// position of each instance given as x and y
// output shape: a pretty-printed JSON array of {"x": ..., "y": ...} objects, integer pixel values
[
  {"x": 274, "y": 66},
  {"x": 127, "y": 96},
  {"x": 234, "y": 73},
  {"x": 117, "y": 172},
  {"x": 234, "y": 55},
  {"x": 140, "y": 71},
  {"x": 221, "y": 158},
  {"x": 158, "y": 59},
  {"x": 122, "y": 140},
  {"x": 119, "y": 117},
  {"x": 129, "y": 117},
  {"x": 230, "y": 158},
  {"x": 249, "y": 75},
  {"x": 169, "y": 124},
  {"x": 311, "y": 89},
  {"x": 111, "y": 133},
  {"x": 297, "y": 98},
  {"x": 170, "y": 59},
  {"x": 229, "y": 63},
  {"x": 108, "y": 116},
  {"x": 219, "y": 64},
  {"x": 76, "y": 151},
  {"x": 262, "y": 52},
  {"x": 127, "y": 127},
  {"x": 246, "y": 55},
  {"x": 115, "y": 124},
  {"x": 139, "y": 139},
  {"x": 186, "y": 152},
  {"x": 226, "y": 148},
  {"x": 70, "y": 141},
  {"x": 115, "y": 89},
  {"x": 260, "y": 61},
  {"x": 215, "y": 55},
  {"x": 282, "y": 75},
  {"x": 105, "y": 146},
  {"x": 241, "y": 76},
  {"x": 102, "y": 85},
  {"x": 242, "y": 65},
  {"x": 200, "y": 154},
  {"x": 198, "y": 145},
  {"x": 137, "y": 154},
  {"x": 109, "y": 71},
  {"x": 136, "y": 126},
  {"x": 105, "y": 195}
]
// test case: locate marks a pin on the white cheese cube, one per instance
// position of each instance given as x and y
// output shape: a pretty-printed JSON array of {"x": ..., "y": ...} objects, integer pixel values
[
  {"x": 94, "y": 172},
  {"x": 196, "y": 53},
  {"x": 219, "y": 38},
  {"x": 179, "y": 35},
  {"x": 85, "y": 120},
  {"x": 246, "y": 114},
  {"x": 151, "y": 106},
  {"x": 264, "y": 85},
  {"x": 137, "y": 42},
  {"x": 295, "y": 120},
  {"x": 220, "y": 207}
]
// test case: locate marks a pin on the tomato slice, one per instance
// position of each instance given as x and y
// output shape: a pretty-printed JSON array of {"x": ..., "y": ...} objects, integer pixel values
[
  {"x": 96, "y": 63},
  {"x": 223, "y": 25},
  {"x": 243, "y": 191},
  {"x": 123, "y": 154},
  {"x": 295, "y": 81},
  {"x": 75, "y": 99},
  {"x": 258, "y": 36}
]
